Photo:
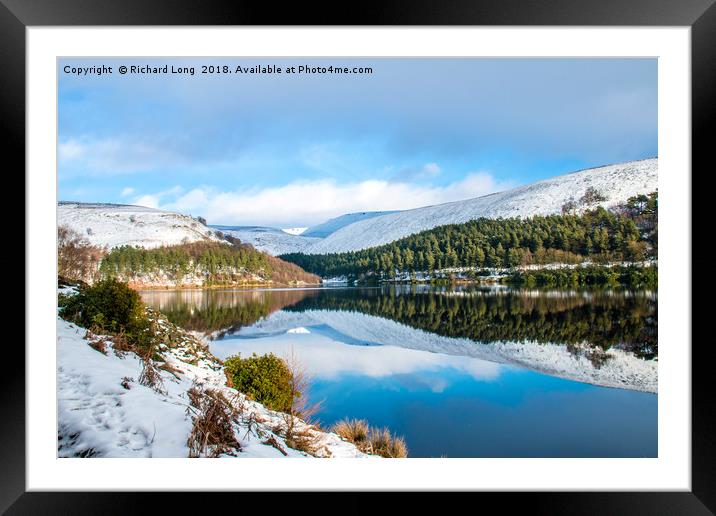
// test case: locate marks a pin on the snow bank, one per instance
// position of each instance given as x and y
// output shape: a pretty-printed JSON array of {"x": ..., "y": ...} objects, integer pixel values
[{"x": 103, "y": 411}]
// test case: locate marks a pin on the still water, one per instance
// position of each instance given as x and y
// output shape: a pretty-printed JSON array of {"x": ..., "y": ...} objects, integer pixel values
[{"x": 457, "y": 371}]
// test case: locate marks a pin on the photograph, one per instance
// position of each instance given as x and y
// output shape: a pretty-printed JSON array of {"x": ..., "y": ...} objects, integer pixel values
[{"x": 357, "y": 257}]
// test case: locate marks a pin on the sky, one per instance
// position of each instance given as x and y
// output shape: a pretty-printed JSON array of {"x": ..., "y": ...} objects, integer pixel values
[{"x": 295, "y": 149}]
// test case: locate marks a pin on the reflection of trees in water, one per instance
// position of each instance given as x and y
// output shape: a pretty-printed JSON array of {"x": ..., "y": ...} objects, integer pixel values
[
  {"x": 209, "y": 311},
  {"x": 582, "y": 321}
]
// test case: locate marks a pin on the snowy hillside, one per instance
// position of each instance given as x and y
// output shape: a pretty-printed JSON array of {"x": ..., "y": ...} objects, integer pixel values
[
  {"x": 269, "y": 240},
  {"x": 104, "y": 409},
  {"x": 616, "y": 182},
  {"x": 277, "y": 241},
  {"x": 331, "y": 226},
  {"x": 621, "y": 369},
  {"x": 114, "y": 225}
]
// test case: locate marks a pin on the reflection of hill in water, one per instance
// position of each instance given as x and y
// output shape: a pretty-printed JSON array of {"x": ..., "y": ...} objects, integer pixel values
[
  {"x": 604, "y": 338},
  {"x": 210, "y": 311},
  {"x": 611, "y": 368},
  {"x": 587, "y": 322},
  {"x": 595, "y": 319}
]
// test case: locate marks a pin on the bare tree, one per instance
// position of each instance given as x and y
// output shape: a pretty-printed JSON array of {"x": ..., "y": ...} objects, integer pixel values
[
  {"x": 77, "y": 259},
  {"x": 301, "y": 408},
  {"x": 592, "y": 196}
]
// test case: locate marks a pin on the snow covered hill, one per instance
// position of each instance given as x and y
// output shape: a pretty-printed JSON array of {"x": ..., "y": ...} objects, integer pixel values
[
  {"x": 269, "y": 240},
  {"x": 324, "y": 229},
  {"x": 114, "y": 225},
  {"x": 616, "y": 182},
  {"x": 277, "y": 241}
]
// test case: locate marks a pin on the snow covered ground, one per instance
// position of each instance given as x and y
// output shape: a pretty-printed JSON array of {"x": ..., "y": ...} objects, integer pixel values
[
  {"x": 114, "y": 225},
  {"x": 103, "y": 410},
  {"x": 616, "y": 182},
  {"x": 273, "y": 241},
  {"x": 621, "y": 369}
]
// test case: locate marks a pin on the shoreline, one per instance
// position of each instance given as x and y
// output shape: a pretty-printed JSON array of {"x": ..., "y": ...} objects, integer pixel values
[{"x": 242, "y": 286}]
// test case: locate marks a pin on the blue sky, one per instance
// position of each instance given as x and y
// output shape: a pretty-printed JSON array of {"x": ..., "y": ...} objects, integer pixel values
[{"x": 296, "y": 149}]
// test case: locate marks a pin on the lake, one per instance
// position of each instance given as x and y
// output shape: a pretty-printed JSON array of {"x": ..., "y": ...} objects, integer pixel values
[{"x": 460, "y": 371}]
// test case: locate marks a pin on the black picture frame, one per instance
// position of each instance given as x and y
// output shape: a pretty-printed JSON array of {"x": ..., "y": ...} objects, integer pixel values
[{"x": 700, "y": 15}]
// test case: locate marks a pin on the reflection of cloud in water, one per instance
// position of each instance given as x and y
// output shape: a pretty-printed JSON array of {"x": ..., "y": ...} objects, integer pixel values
[
  {"x": 423, "y": 380},
  {"x": 298, "y": 330},
  {"x": 327, "y": 359}
]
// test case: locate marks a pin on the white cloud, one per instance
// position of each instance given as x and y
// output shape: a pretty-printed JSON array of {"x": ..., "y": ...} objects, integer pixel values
[
  {"x": 70, "y": 150},
  {"x": 304, "y": 203},
  {"x": 431, "y": 169},
  {"x": 127, "y": 191},
  {"x": 113, "y": 156},
  {"x": 153, "y": 200}
]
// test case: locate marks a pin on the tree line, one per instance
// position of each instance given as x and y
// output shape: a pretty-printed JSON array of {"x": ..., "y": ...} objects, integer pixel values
[
  {"x": 219, "y": 264},
  {"x": 603, "y": 319},
  {"x": 626, "y": 233}
]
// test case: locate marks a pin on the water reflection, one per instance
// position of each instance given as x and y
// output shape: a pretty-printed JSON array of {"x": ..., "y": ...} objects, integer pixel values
[
  {"x": 460, "y": 372},
  {"x": 216, "y": 313},
  {"x": 582, "y": 320}
]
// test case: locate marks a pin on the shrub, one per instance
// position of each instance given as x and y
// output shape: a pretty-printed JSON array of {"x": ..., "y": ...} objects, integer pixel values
[
  {"x": 266, "y": 379},
  {"x": 112, "y": 307}
]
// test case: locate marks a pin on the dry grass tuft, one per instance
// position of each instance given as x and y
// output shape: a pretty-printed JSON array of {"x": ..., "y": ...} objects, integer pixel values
[
  {"x": 126, "y": 381},
  {"x": 305, "y": 441},
  {"x": 374, "y": 441},
  {"x": 213, "y": 417},
  {"x": 353, "y": 430},
  {"x": 383, "y": 443},
  {"x": 271, "y": 441},
  {"x": 96, "y": 342},
  {"x": 171, "y": 369},
  {"x": 150, "y": 375},
  {"x": 121, "y": 345}
]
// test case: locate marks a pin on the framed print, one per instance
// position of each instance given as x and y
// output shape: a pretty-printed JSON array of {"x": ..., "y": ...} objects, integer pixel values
[{"x": 420, "y": 245}]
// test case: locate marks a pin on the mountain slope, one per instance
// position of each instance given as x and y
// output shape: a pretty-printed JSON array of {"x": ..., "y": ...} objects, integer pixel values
[
  {"x": 114, "y": 225},
  {"x": 324, "y": 229},
  {"x": 273, "y": 241},
  {"x": 615, "y": 182}
]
